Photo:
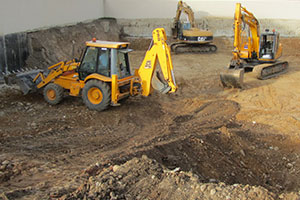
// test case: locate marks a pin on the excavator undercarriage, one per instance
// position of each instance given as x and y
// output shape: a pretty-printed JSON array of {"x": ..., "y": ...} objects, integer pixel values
[{"x": 185, "y": 47}]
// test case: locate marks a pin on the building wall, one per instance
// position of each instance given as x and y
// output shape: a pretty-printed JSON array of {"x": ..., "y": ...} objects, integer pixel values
[
  {"x": 20, "y": 16},
  {"x": 132, "y": 9},
  {"x": 26, "y": 15}
]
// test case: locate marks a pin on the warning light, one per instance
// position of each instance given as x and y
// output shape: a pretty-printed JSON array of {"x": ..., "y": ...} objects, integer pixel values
[{"x": 94, "y": 39}]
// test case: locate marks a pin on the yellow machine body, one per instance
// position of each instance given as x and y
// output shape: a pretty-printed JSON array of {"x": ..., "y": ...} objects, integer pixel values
[
  {"x": 119, "y": 83},
  {"x": 253, "y": 51},
  {"x": 189, "y": 37}
]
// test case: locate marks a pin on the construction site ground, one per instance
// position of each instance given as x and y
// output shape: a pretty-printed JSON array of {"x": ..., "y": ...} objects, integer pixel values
[{"x": 203, "y": 142}]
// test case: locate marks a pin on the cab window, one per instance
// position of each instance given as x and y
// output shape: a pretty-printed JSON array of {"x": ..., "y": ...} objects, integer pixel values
[
  {"x": 89, "y": 62},
  {"x": 103, "y": 62},
  {"x": 123, "y": 65}
]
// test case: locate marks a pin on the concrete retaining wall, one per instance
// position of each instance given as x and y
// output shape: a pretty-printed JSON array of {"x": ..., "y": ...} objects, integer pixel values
[{"x": 219, "y": 25}]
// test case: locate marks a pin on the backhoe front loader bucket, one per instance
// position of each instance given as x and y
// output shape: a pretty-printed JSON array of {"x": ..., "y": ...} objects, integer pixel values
[
  {"x": 232, "y": 78},
  {"x": 23, "y": 79}
]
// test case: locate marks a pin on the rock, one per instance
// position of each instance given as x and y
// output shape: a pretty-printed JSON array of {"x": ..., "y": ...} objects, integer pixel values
[
  {"x": 2, "y": 114},
  {"x": 203, "y": 188},
  {"x": 289, "y": 165},
  {"x": 212, "y": 180},
  {"x": 213, "y": 191},
  {"x": 5, "y": 162},
  {"x": 242, "y": 152},
  {"x": 116, "y": 168}
]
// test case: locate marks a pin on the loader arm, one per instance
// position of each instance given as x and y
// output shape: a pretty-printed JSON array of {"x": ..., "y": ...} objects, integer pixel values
[
  {"x": 55, "y": 71},
  {"x": 159, "y": 52}
]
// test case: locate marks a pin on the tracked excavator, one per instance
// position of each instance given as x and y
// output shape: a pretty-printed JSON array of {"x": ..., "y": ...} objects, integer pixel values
[
  {"x": 189, "y": 38},
  {"x": 103, "y": 75},
  {"x": 253, "y": 52}
]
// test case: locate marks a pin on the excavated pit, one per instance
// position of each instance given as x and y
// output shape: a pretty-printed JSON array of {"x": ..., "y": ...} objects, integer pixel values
[{"x": 221, "y": 137}]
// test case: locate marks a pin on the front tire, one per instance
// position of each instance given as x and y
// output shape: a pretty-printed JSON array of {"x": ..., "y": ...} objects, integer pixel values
[
  {"x": 96, "y": 95},
  {"x": 53, "y": 93}
]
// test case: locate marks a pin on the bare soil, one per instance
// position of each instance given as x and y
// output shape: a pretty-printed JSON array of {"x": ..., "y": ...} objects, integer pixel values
[{"x": 203, "y": 142}]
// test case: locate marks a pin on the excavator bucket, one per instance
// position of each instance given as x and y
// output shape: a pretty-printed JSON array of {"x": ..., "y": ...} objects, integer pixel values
[
  {"x": 23, "y": 79},
  {"x": 232, "y": 78},
  {"x": 159, "y": 84}
]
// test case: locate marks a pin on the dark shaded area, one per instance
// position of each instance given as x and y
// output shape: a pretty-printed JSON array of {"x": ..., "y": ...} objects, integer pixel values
[{"x": 13, "y": 51}]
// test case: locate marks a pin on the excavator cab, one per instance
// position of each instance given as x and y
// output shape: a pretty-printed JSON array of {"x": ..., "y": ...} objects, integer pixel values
[{"x": 268, "y": 45}]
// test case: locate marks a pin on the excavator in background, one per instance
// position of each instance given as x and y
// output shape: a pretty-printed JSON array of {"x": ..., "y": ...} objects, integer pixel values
[
  {"x": 253, "y": 51},
  {"x": 103, "y": 75},
  {"x": 189, "y": 38}
]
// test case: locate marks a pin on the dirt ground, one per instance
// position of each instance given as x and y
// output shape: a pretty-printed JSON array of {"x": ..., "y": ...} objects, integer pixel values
[{"x": 204, "y": 142}]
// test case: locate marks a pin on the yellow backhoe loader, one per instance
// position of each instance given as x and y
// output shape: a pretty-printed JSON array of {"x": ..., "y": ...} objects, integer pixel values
[
  {"x": 103, "y": 76},
  {"x": 189, "y": 38},
  {"x": 253, "y": 51}
]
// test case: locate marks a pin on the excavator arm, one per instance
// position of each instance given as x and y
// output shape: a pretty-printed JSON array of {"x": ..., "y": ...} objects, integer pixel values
[
  {"x": 242, "y": 18},
  {"x": 183, "y": 7},
  {"x": 159, "y": 52}
]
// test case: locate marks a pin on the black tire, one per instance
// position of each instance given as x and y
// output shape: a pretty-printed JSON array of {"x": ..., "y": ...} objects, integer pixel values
[
  {"x": 53, "y": 93},
  {"x": 101, "y": 100}
]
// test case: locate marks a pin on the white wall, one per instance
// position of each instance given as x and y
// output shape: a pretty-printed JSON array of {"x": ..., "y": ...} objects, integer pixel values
[
  {"x": 24, "y": 15},
  {"x": 279, "y": 9}
]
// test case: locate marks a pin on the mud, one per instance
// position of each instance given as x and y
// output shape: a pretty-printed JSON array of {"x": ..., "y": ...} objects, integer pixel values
[{"x": 202, "y": 142}]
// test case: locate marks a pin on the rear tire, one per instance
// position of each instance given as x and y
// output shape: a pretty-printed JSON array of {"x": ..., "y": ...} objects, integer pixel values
[
  {"x": 53, "y": 93},
  {"x": 96, "y": 95}
]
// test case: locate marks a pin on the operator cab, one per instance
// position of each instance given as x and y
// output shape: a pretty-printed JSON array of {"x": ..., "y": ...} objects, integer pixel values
[
  {"x": 105, "y": 58},
  {"x": 268, "y": 45}
]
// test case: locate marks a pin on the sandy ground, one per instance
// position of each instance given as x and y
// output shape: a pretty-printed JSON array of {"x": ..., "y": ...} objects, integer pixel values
[{"x": 246, "y": 136}]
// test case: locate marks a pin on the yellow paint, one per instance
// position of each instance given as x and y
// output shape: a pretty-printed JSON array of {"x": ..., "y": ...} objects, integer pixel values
[
  {"x": 114, "y": 89},
  {"x": 51, "y": 94},
  {"x": 107, "y": 44},
  {"x": 65, "y": 75},
  {"x": 160, "y": 51},
  {"x": 95, "y": 95}
]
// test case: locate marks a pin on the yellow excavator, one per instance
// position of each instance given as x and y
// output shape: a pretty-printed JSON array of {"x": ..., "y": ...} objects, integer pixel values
[
  {"x": 103, "y": 75},
  {"x": 253, "y": 51},
  {"x": 189, "y": 38}
]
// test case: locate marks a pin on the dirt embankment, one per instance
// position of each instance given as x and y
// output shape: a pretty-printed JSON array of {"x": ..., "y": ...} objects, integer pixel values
[{"x": 47, "y": 47}]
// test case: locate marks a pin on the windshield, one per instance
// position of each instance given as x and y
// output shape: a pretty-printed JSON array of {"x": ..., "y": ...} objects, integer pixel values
[{"x": 123, "y": 69}]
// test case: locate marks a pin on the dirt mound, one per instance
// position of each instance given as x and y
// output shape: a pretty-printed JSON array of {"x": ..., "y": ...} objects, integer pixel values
[
  {"x": 47, "y": 47},
  {"x": 143, "y": 178}
]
